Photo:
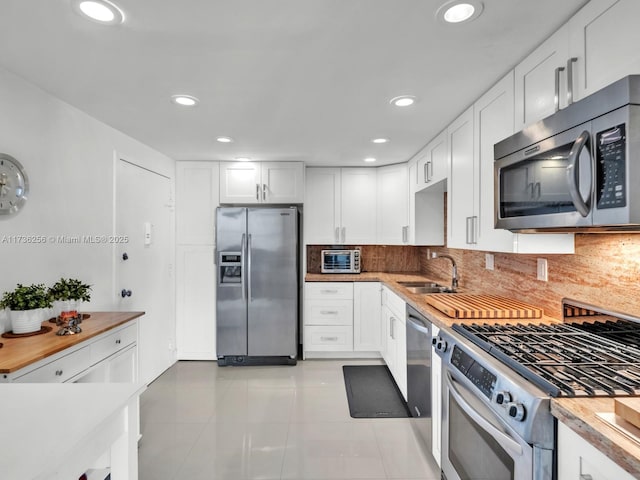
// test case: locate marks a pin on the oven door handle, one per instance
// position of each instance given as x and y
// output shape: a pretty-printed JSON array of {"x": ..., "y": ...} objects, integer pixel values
[
  {"x": 573, "y": 175},
  {"x": 502, "y": 439}
]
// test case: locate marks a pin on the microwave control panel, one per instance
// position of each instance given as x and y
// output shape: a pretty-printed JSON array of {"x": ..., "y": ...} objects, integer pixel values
[{"x": 611, "y": 169}]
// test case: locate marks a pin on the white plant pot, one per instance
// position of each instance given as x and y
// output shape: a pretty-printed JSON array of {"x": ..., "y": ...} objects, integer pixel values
[{"x": 27, "y": 321}]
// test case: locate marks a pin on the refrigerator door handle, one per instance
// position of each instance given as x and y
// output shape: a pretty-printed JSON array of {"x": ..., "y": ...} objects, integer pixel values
[
  {"x": 242, "y": 269},
  {"x": 249, "y": 268}
]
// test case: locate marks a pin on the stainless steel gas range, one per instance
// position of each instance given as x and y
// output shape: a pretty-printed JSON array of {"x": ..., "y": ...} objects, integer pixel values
[{"x": 498, "y": 380}]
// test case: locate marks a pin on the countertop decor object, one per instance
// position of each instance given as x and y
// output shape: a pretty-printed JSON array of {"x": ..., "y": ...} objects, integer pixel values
[
  {"x": 14, "y": 185},
  {"x": 482, "y": 306},
  {"x": 28, "y": 307}
]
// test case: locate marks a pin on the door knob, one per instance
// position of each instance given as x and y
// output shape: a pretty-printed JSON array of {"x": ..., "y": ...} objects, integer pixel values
[
  {"x": 125, "y": 293},
  {"x": 125, "y": 256}
]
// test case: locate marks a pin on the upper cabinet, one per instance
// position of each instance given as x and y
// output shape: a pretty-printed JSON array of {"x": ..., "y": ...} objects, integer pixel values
[
  {"x": 261, "y": 182},
  {"x": 340, "y": 206},
  {"x": 197, "y": 191},
  {"x": 583, "y": 56},
  {"x": 470, "y": 196},
  {"x": 432, "y": 162},
  {"x": 393, "y": 205}
]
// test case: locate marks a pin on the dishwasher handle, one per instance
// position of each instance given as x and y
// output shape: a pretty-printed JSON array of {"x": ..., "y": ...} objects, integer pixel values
[{"x": 418, "y": 325}]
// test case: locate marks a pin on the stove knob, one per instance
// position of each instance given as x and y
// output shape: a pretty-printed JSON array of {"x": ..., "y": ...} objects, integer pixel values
[
  {"x": 502, "y": 398},
  {"x": 517, "y": 411},
  {"x": 441, "y": 345}
]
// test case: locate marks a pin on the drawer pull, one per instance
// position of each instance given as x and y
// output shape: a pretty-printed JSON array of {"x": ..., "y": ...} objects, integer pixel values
[
  {"x": 328, "y": 291},
  {"x": 59, "y": 373},
  {"x": 328, "y": 312},
  {"x": 329, "y": 339},
  {"x": 118, "y": 342}
]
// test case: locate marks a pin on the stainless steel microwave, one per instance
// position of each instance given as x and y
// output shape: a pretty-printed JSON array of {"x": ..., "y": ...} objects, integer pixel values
[
  {"x": 577, "y": 169},
  {"x": 340, "y": 261}
]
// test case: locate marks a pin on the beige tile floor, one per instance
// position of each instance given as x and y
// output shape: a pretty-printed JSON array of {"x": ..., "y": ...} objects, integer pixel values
[{"x": 200, "y": 421}]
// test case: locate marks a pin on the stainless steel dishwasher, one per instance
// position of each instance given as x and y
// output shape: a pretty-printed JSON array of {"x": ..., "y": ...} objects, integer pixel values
[{"x": 419, "y": 373}]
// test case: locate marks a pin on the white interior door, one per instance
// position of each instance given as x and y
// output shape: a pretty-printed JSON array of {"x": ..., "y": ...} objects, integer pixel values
[{"x": 144, "y": 216}]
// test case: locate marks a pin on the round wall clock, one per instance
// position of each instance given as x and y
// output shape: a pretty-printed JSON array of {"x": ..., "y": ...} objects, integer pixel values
[{"x": 14, "y": 185}]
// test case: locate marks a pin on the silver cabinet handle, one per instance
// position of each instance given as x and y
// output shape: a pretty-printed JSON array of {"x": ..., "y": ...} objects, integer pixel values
[
  {"x": 428, "y": 171},
  {"x": 468, "y": 232},
  {"x": 391, "y": 329},
  {"x": 344, "y": 234},
  {"x": 570, "y": 63},
  {"x": 471, "y": 230},
  {"x": 328, "y": 312},
  {"x": 585, "y": 476},
  {"x": 264, "y": 191},
  {"x": 328, "y": 291},
  {"x": 405, "y": 234},
  {"x": 337, "y": 235},
  {"x": 329, "y": 339},
  {"x": 556, "y": 99},
  {"x": 258, "y": 191}
]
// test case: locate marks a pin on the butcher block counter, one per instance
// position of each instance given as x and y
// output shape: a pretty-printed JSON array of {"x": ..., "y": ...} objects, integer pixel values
[
  {"x": 579, "y": 414},
  {"x": 18, "y": 353}
]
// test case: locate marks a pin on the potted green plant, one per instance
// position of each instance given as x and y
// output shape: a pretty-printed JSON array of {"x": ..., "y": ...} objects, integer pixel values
[
  {"x": 28, "y": 307},
  {"x": 67, "y": 293}
]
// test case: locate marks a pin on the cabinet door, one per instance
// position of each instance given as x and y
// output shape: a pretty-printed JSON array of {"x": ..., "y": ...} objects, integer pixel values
[
  {"x": 366, "y": 317},
  {"x": 197, "y": 195},
  {"x": 392, "y": 190},
  {"x": 604, "y": 37},
  {"x": 358, "y": 206},
  {"x": 462, "y": 185},
  {"x": 578, "y": 459},
  {"x": 412, "y": 171},
  {"x": 390, "y": 331},
  {"x": 535, "y": 80},
  {"x": 493, "y": 121},
  {"x": 195, "y": 303},
  {"x": 282, "y": 182},
  {"x": 433, "y": 164},
  {"x": 240, "y": 182},
  {"x": 123, "y": 367},
  {"x": 322, "y": 206}
]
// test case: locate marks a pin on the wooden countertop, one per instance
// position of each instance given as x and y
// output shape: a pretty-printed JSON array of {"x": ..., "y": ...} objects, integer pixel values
[
  {"x": 17, "y": 353},
  {"x": 578, "y": 413}
]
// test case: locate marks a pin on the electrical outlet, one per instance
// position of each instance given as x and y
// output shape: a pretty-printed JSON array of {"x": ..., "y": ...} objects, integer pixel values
[
  {"x": 488, "y": 261},
  {"x": 543, "y": 272}
]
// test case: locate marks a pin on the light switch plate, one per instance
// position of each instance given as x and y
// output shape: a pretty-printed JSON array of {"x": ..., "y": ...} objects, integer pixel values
[
  {"x": 488, "y": 261},
  {"x": 543, "y": 273}
]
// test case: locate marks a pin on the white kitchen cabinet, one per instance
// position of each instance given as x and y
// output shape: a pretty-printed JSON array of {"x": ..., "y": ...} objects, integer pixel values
[
  {"x": 261, "y": 182},
  {"x": 471, "y": 182},
  {"x": 195, "y": 302},
  {"x": 433, "y": 162},
  {"x": 436, "y": 399},
  {"x": 426, "y": 209},
  {"x": 579, "y": 459},
  {"x": 367, "y": 317},
  {"x": 393, "y": 214},
  {"x": 328, "y": 317},
  {"x": 197, "y": 195},
  {"x": 340, "y": 206},
  {"x": 595, "y": 34},
  {"x": 540, "y": 86},
  {"x": 395, "y": 328},
  {"x": 462, "y": 181}
]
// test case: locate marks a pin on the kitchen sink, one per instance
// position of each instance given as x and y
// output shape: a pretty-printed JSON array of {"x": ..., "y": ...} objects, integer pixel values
[{"x": 425, "y": 287}]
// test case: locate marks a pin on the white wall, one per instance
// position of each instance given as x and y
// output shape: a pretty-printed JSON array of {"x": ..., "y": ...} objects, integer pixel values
[{"x": 69, "y": 159}]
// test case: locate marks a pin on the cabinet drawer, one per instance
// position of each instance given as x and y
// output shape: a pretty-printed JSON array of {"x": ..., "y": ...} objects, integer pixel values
[
  {"x": 328, "y": 338},
  {"x": 394, "y": 303},
  {"x": 113, "y": 342},
  {"x": 328, "y": 290},
  {"x": 59, "y": 370},
  {"x": 335, "y": 312}
]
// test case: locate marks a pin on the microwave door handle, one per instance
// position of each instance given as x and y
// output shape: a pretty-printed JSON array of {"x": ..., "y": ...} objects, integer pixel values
[
  {"x": 573, "y": 175},
  {"x": 503, "y": 440}
]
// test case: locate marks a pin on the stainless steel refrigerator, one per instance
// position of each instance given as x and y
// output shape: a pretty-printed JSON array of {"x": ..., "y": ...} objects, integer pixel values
[{"x": 257, "y": 285}]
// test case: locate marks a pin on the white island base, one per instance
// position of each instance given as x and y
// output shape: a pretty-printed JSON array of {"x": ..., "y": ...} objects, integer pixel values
[{"x": 60, "y": 431}]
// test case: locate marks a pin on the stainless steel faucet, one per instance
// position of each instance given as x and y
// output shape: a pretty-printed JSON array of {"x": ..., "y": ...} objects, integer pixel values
[{"x": 454, "y": 271}]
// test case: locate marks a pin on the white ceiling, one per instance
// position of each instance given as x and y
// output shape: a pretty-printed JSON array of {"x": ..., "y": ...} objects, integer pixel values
[{"x": 287, "y": 79}]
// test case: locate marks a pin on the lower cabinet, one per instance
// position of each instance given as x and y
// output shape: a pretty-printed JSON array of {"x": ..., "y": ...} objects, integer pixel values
[
  {"x": 436, "y": 399},
  {"x": 341, "y": 318},
  {"x": 578, "y": 459},
  {"x": 395, "y": 338}
]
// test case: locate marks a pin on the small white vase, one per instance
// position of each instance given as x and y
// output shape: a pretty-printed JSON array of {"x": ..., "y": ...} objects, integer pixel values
[{"x": 27, "y": 321}]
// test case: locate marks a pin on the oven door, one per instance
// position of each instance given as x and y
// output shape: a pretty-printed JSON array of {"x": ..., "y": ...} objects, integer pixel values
[
  {"x": 476, "y": 444},
  {"x": 547, "y": 185}
]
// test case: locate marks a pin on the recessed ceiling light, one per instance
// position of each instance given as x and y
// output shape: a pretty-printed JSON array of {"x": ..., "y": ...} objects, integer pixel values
[
  {"x": 243, "y": 159},
  {"x": 185, "y": 100},
  {"x": 380, "y": 140},
  {"x": 224, "y": 139},
  {"x": 403, "y": 100},
  {"x": 459, "y": 11},
  {"x": 369, "y": 159},
  {"x": 100, "y": 11}
]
